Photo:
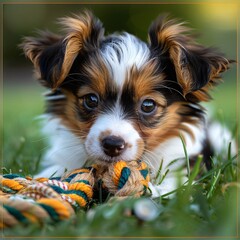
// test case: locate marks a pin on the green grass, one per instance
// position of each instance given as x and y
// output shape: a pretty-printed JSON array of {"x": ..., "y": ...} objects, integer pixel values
[
  {"x": 205, "y": 206},
  {"x": 23, "y": 144}
]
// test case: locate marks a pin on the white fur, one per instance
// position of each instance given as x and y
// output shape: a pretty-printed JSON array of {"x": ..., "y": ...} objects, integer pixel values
[
  {"x": 171, "y": 150},
  {"x": 169, "y": 184},
  {"x": 66, "y": 151},
  {"x": 220, "y": 137},
  {"x": 132, "y": 53}
]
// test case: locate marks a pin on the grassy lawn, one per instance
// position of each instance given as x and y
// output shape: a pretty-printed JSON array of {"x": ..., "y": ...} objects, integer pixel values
[
  {"x": 206, "y": 208},
  {"x": 23, "y": 144}
]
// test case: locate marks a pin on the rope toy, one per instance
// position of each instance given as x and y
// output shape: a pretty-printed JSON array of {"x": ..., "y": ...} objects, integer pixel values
[{"x": 26, "y": 200}]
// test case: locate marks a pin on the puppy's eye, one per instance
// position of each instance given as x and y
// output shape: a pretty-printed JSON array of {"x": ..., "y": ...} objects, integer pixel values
[
  {"x": 90, "y": 101},
  {"x": 148, "y": 106}
]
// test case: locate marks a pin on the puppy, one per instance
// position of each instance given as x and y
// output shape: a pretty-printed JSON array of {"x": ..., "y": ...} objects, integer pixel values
[{"x": 116, "y": 97}]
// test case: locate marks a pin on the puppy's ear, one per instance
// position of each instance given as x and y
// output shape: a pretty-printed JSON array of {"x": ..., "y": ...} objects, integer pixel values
[
  {"x": 53, "y": 55},
  {"x": 196, "y": 68}
]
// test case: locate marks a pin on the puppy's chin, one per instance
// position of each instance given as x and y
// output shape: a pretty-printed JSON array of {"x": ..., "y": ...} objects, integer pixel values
[
  {"x": 106, "y": 160},
  {"x": 109, "y": 160}
]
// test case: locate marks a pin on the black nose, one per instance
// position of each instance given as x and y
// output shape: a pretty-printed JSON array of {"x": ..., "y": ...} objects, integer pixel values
[{"x": 113, "y": 146}]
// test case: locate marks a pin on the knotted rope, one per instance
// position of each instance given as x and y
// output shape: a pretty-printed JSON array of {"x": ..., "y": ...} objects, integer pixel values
[{"x": 26, "y": 200}]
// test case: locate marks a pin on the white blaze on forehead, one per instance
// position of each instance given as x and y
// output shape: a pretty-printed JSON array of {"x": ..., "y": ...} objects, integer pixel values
[
  {"x": 113, "y": 125},
  {"x": 123, "y": 53}
]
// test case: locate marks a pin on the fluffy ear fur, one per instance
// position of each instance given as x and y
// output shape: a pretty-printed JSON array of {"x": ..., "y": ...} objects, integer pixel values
[
  {"x": 196, "y": 68},
  {"x": 54, "y": 55}
]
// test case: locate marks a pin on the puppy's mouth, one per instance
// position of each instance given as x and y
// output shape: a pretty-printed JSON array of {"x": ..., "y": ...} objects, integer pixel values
[
  {"x": 107, "y": 159},
  {"x": 104, "y": 159}
]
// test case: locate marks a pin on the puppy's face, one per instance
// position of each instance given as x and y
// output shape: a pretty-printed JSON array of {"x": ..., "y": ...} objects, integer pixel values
[{"x": 123, "y": 97}]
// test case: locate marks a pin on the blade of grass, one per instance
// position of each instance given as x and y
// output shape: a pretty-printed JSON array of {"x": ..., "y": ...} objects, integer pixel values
[
  {"x": 210, "y": 172},
  {"x": 158, "y": 176},
  {"x": 186, "y": 155},
  {"x": 53, "y": 174},
  {"x": 229, "y": 158},
  {"x": 234, "y": 131},
  {"x": 213, "y": 185},
  {"x": 195, "y": 170},
  {"x": 173, "y": 191},
  {"x": 229, "y": 150},
  {"x": 100, "y": 192},
  {"x": 189, "y": 182},
  {"x": 37, "y": 164},
  {"x": 163, "y": 177},
  {"x": 5, "y": 171},
  {"x": 18, "y": 151}
]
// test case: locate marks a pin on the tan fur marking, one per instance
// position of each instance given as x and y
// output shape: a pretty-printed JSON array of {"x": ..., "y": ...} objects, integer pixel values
[
  {"x": 98, "y": 73},
  {"x": 84, "y": 90},
  {"x": 144, "y": 80},
  {"x": 70, "y": 120},
  {"x": 170, "y": 126},
  {"x": 183, "y": 74},
  {"x": 78, "y": 30},
  {"x": 104, "y": 134},
  {"x": 173, "y": 33}
]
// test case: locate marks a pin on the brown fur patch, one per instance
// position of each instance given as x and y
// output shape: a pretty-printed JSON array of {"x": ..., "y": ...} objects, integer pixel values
[
  {"x": 104, "y": 134},
  {"x": 144, "y": 81},
  {"x": 183, "y": 74},
  {"x": 68, "y": 114},
  {"x": 78, "y": 29},
  {"x": 98, "y": 75},
  {"x": 171, "y": 125}
]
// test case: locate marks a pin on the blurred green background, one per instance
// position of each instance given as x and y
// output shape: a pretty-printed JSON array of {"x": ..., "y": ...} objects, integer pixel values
[{"x": 22, "y": 99}]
